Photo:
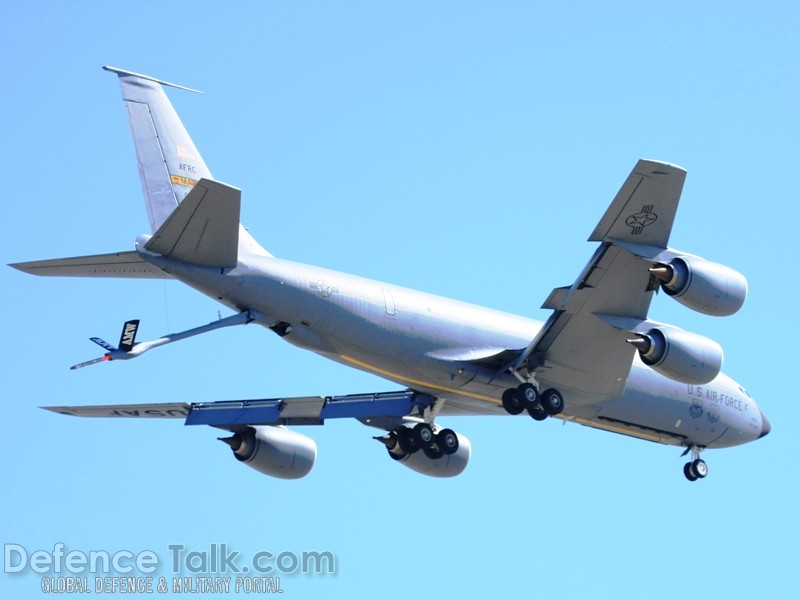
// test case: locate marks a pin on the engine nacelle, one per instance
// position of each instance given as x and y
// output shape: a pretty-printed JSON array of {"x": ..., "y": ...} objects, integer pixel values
[
  {"x": 680, "y": 355},
  {"x": 707, "y": 287},
  {"x": 447, "y": 465},
  {"x": 274, "y": 451}
]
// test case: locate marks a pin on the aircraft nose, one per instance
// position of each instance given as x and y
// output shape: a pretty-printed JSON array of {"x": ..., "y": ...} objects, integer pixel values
[{"x": 765, "y": 426}]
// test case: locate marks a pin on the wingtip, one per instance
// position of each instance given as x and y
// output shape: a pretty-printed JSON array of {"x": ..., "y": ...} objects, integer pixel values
[
  {"x": 59, "y": 410},
  {"x": 651, "y": 183},
  {"x": 20, "y": 267}
]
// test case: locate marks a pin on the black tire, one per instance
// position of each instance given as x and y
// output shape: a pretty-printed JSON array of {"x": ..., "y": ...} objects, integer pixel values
[
  {"x": 447, "y": 441},
  {"x": 700, "y": 468},
  {"x": 553, "y": 402},
  {"x": 688, "y": 471},
  {"x": 433, "y": 453},
  {"x": 528, "y": 394},
  {"x": 422, "y": 435},
  {"x": 402, "y": 456},
  {"x": 537, "y": 412},
  {"x": 512, "y": 402},
  {"x": 404, "y": 440}
]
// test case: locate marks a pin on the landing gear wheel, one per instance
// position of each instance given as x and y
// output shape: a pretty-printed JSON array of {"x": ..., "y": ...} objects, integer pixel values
[
  {"x": 422, "y": 435},
  {"x": 528, "y": 394},
  {"x": 433, "y": 453},
  {"x": 699, "y": 468},
  {"x": 403, "y": 435},
  {"x": 552, "y": 401},
  {"x": 394, "y": 456},
  {"x": 512, "y": 401},
  {"x": 537, "y": 411},
  {"x": 447, "y": 441},
  {"x": 696, "y": 468}
]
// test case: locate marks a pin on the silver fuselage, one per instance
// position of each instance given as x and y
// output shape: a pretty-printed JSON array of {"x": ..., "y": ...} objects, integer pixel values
[{"x": 407, "y": 336}]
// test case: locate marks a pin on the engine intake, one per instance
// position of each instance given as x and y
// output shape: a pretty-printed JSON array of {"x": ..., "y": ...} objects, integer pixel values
[
  {"x": 707, "y": 287},
  {"x": 680, "y": 355},
  {"x": 274, "y": 451}
]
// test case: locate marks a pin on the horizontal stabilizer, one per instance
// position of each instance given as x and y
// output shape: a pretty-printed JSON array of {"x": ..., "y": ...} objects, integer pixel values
[
  {"x": 123, "y": 72},
  {"x": 103, "y": 344},
  {"x": 204, "y": 228},
  {"x": 117, "y": 264}
]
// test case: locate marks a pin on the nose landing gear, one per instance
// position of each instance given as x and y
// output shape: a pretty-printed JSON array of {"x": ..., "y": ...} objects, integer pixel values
[{"x": 696, "y": 468}]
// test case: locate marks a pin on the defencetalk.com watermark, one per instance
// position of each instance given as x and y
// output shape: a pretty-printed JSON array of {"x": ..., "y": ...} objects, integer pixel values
[{"x": 214, "y": 569}]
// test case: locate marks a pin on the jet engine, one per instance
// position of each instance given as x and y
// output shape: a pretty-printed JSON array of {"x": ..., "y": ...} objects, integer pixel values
[
  {"x": 429, "y": 461},
  {"x": 704, "y": 286},
  {"x": 680, "y": 355},
  {"x": 274, "y": 451}
]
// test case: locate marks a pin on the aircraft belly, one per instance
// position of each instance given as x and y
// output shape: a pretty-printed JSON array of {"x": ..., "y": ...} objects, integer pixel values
[
  {"x": 385, "y": 329},
  {"x": 390, "y": 332}
]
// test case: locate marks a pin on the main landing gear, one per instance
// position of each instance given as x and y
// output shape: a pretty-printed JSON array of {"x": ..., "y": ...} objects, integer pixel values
[
  {"x": 403, "y": 441},
  {"x": 539, "y": 406},
  {"x": 696, "y": 468}
]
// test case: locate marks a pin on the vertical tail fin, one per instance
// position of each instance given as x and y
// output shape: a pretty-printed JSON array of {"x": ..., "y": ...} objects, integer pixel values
[
  {"x": 128, "y": 336},
  {"x": 169, "y": 162}
]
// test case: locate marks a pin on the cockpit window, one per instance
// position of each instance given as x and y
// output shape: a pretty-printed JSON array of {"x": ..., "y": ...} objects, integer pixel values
[{"x": 744, "y": 391}]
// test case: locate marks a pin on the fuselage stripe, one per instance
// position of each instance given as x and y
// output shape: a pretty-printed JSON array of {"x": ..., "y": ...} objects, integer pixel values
[{"x": 413, "y": 382}]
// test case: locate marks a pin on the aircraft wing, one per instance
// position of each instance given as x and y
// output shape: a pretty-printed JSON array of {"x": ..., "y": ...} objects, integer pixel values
[
  {"x": 577, "y": 350},
  {"x": 232, "y": 414},
  {"x": 164, "y": 410}
]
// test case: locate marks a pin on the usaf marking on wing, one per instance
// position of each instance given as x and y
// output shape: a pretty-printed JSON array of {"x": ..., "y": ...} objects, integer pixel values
[
  {"x": 641, "y": 220},
  {"x": 598, "y": 360}
]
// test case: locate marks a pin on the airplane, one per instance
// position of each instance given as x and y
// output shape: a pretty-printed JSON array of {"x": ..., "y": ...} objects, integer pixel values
[{"x": 598, "y": 360}]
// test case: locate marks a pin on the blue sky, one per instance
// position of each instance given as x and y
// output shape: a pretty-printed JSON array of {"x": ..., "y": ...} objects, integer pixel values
[{"x": 461, "y": 148}]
